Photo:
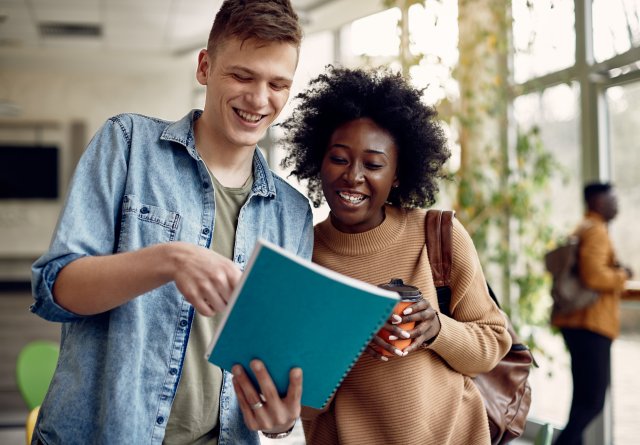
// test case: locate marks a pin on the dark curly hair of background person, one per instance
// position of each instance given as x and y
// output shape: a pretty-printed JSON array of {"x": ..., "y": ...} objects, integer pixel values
[{"x": 342, "y": 95}]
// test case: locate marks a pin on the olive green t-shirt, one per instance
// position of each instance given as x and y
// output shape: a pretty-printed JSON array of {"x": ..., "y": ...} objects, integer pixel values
[{"x": 195, "y": 410}]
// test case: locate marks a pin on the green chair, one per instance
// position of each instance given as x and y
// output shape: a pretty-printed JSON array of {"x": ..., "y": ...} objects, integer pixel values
[
  {"x": 34, "y": 370},
  {"x": 545, "y": 435}
]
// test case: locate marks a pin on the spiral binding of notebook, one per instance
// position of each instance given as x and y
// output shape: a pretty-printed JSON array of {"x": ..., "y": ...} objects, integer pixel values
[{"x": 383, "y": 319}]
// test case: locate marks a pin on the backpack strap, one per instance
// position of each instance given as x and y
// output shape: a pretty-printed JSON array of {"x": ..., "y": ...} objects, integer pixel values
[
  {"x": 438, "y": 231},
  {"x": 438, "y": 228}
]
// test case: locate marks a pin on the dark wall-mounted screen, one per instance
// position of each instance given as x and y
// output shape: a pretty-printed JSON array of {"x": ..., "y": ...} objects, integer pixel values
[{"x": 28, "y": 172}]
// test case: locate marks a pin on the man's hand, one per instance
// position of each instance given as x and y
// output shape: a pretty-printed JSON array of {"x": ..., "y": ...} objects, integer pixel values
[
  {"x": 265, "y": 410},
  {"x": 205, "y": 278}
]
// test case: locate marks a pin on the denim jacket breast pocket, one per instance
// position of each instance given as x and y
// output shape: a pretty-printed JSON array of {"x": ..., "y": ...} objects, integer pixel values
[{"x": 143, "y": 224}]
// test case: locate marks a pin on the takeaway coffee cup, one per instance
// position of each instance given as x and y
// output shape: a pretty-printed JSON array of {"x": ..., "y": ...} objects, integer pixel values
[{"x": 408, "y": 295}]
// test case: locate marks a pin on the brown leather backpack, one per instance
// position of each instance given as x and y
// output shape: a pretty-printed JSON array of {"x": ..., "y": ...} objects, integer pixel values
[{"x": 505, "y": 389}]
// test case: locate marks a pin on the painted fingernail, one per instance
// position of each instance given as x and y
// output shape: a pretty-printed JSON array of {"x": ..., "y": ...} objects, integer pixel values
[
  {"x": 393, "y": 337},
  {"x": 398, "y": 352},
  {"x": 396, "y": 319},
  {"x": 405, "y": 334},
  {"x": 407, "y": 311},
  {"x": 384, "y": 358}
]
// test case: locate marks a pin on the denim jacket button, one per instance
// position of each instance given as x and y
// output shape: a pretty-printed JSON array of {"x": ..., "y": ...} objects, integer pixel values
[
  {"x": 173, "y": 371},
  {"x": 160, "y": 420},
  {"x": 183, "y": 323},
  {"x": 205, "y": 231},
  {"x": 144, "y": 210},
  {"x": 205, "y": 185}
]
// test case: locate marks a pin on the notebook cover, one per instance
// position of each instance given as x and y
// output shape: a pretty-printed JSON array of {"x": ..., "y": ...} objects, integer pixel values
[{"x": 289, "y": 312}]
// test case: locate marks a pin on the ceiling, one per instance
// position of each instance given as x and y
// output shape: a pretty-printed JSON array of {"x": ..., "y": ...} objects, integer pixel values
[{"x": 139, "y": 26}]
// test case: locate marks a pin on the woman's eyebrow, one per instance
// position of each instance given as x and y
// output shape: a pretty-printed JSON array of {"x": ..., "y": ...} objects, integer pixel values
[{"x": 368, "y": 150}]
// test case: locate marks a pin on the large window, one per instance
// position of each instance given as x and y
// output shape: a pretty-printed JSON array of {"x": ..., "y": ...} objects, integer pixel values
[
  {"x": 623, "y": 104},
  {"x": 591, "y": 81},
  {"x": 543, "y": 36},
  {"x": 616, "y": 27},
  {"x": 555, "y": 112},
  {"x": 624, "y": 120}
]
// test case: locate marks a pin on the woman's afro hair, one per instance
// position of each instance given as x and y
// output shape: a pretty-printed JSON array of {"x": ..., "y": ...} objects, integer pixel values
[{"x": 341, "y": 95}]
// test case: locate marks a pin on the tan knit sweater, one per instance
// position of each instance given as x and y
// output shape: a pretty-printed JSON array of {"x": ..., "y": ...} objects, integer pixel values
[{"x": 425, "y": 397}]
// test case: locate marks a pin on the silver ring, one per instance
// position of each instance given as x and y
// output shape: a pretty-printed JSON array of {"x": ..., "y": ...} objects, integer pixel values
[{"x": 257, "y": 405}]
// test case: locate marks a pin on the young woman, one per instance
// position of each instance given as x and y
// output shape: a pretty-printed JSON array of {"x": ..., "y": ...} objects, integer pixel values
[{"x": 366, "y": 143}]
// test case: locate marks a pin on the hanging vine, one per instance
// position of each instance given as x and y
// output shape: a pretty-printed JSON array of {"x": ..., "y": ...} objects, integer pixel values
[{"x": 501, "y": 190}]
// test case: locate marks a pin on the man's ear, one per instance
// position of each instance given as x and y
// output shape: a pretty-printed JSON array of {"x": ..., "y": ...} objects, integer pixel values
[{"x": 204, "y": 64}]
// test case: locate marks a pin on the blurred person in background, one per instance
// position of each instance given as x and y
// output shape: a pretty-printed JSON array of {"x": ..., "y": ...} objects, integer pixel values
[{"x": 589, "y": 332}]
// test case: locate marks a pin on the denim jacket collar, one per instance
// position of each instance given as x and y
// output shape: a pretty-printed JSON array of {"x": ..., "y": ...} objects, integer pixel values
[{"x": 182, "y": 132}]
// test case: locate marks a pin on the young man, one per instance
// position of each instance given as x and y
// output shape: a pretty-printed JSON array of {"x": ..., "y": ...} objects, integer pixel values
[
  {"x": 589, "y": 332},
  {"x": 160, "y": 219}
]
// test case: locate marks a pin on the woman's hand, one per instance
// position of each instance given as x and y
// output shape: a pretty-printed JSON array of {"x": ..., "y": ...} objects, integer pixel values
[
  {"x": 427, "y": 327},
  {"x": 265, "y": 410},
  {"x": 427, "y": 324},
  {"x": 378, "y": 343}
]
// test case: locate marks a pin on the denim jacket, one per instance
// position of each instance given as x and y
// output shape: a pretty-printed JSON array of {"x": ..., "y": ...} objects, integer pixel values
[{"x": 142, "y": 182}]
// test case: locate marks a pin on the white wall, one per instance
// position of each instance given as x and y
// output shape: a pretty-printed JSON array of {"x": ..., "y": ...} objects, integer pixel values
[{"x": 61, "y": 88}]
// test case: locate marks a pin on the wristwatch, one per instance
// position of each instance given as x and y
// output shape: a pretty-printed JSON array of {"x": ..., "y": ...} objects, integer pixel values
[{"x": 280, "y": 435}]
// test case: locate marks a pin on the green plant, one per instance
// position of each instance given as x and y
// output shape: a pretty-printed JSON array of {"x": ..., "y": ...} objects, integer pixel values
[{"x": 501, "y": 191}]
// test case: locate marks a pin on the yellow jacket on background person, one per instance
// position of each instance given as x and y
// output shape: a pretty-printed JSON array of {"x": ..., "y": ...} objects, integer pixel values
[{"x": 599, "y": 270}]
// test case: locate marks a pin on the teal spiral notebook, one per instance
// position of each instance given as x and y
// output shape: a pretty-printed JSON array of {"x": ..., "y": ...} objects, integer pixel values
[{"x": 289, "y": 312}]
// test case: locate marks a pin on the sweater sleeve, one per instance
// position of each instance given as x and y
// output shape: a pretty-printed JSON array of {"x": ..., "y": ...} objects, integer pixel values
[{"x": 475, "y": 337}]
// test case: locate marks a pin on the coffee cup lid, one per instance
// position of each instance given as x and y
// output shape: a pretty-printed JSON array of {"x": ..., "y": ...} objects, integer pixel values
[{"x": 406, "y": 291}]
